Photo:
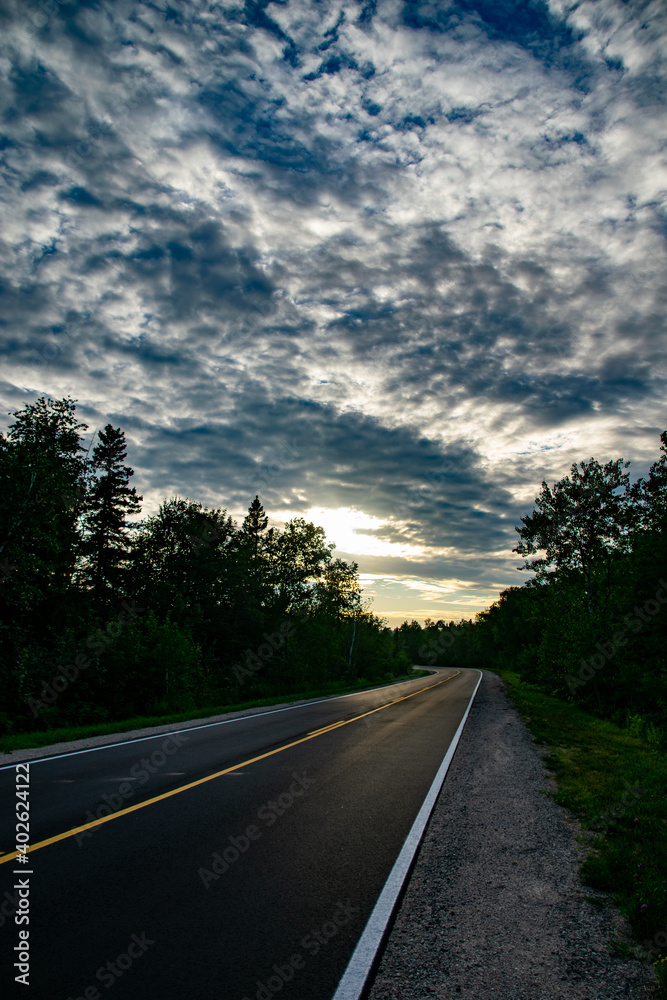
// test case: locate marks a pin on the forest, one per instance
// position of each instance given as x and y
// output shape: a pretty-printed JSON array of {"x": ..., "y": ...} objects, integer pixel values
[
  {"x": 590, "y": 626},
  {"x": 104, "y": 616}
]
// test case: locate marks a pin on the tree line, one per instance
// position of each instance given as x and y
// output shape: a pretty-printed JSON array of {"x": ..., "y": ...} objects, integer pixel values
[
  {"x": 104, "y": 616},
  {"x": 591, "y": 625}
]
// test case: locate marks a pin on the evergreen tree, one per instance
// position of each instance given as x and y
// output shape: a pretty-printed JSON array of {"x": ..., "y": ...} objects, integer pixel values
[
  {"x": 110, "y": 501},
  {"x": 254, "y": 524},
  {"x": 253, "y": 545}
]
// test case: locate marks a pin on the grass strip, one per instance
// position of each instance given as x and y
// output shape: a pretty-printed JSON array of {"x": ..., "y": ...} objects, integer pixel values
[
  {"x": 47, "y": 737},
  {"x": 615, "y": 783}
]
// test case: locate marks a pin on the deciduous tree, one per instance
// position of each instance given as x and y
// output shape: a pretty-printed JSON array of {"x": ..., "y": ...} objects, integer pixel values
[{"x": 580, "y": 524}]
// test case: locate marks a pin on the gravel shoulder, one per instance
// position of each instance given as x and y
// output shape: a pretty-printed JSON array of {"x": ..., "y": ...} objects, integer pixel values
[{"x": 494, "y": 907}]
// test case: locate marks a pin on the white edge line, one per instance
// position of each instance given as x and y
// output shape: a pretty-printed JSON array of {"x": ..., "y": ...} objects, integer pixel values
[
  {"x": 206, "y": 725},
  {"x": 359, "y": 967}
]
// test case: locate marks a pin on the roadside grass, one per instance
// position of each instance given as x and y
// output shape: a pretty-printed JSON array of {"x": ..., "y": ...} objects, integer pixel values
[
  {"x": 29, "y": 741},
  {"x": 615, "y": 783}
]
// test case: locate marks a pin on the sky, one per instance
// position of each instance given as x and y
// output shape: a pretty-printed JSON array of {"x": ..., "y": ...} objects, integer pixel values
[{"x": 388, "y": 265}]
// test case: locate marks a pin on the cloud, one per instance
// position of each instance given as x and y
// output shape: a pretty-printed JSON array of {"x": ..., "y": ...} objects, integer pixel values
[{"x": 404, "y": 259}]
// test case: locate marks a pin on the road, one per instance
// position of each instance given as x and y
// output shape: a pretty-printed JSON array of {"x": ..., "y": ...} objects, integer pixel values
[{"x": 233, "y": 861}]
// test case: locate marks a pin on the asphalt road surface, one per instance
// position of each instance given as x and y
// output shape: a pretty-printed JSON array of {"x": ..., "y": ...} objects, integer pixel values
[{"x": 235, "y": 861}]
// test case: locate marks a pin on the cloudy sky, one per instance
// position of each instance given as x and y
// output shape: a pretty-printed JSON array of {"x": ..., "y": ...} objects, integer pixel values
[{"x": 387, "y": 264}]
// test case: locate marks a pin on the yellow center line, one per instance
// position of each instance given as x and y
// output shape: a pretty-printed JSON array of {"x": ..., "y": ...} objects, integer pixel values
[
  {"x": 326, "y": 729},
  {"x": 218, "y": 774}
]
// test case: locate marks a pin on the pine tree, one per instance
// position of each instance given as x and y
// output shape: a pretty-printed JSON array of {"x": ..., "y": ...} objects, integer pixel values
[
  {"x": 254, "y": 523},
  {"x": 253, "y": 572},
  {"x": 110, "y": 501}
]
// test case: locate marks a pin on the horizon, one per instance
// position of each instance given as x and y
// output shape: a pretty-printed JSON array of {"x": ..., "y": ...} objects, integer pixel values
[{"x": 387, "y": 269}]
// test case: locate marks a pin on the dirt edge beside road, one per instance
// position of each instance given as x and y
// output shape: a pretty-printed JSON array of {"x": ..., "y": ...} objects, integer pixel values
[{"x": 494, "y": 907}]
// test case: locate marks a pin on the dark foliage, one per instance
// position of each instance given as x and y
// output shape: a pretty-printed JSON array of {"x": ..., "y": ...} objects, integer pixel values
[
  {"x": 102, "y": 618},
  {"x": 591, "y": 626}
]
